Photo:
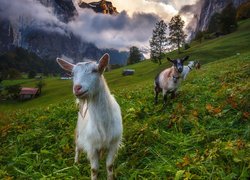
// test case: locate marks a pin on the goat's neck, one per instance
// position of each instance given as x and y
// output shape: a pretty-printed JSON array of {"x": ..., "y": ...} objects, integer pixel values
[
  {"x": 101, "y": 100},
  {"x": 175, "y": 71}
]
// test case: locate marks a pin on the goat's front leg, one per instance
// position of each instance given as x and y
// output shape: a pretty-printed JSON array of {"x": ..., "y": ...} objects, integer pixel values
[
  {"x": 94, "y": 163},
  {"x": 173, "y": 94},
  {"x": 156, "y": 95},
  {"x": 164, "y": 98},
  {"x": 110, "y": 160},
  {"x": 77, "y": 151}
]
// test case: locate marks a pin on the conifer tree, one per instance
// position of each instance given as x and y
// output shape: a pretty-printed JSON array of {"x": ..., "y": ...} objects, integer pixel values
[
  {"x": 158, "y": 42},
  {"x": 134, "y": 55},
  {"x": 176, "y": 33}
]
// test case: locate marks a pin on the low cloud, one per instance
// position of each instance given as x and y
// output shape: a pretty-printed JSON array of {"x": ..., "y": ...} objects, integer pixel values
[
  {"x": 105, "y": 31},
  {"x": 132, "y": 27},
  {"x": 118, "y": 32},
  {"x": 192, "y": 12}
]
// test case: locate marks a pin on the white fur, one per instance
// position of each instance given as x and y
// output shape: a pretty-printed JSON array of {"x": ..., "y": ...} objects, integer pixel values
[
  {"x": 99, "y": 125},
  {"x": 187, "y": 69},
  {"x": 167, "y": 82}
]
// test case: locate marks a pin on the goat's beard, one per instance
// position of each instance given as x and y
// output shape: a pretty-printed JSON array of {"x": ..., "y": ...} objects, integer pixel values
[{"x": 80, "y": 103}]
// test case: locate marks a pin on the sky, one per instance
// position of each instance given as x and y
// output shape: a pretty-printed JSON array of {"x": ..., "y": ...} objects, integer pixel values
[{"x": 132, "y": 27}]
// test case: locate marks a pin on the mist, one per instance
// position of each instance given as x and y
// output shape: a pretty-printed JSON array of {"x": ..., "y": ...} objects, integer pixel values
[{"x": 131, "y": 27}]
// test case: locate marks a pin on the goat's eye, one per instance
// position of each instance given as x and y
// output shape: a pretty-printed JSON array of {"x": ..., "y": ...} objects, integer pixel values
[{"x": 94, "y": 71}]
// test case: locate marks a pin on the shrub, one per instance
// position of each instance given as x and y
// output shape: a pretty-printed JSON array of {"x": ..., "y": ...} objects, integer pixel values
[
  {"x": 13, "y": 91},
  {"x": 13, "y": 73},
  {"x": 31, "y": 74},
  {"x": 186, "y": 46}
]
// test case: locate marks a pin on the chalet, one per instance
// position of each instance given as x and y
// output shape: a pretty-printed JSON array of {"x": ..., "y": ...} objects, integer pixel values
[
  {"x": 65, "y": 76},
  {"x": 28, "y": 93},
  {"x": 127, "y": 72}
]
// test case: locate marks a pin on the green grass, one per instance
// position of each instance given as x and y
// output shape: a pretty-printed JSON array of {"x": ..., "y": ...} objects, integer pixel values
[
  {"x": 54, "y": 91},
  {"x": 202, "y": 134}
]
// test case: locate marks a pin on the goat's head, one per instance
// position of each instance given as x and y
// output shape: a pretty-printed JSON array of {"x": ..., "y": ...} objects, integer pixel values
[
  {"x": 191, "y": 64},
  {"x": 178, "y": 63},
  {"x": 86, "y": 75}
]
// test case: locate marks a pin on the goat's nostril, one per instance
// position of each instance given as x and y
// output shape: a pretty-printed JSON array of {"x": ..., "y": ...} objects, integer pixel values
[{"x": 77, "y": 88}]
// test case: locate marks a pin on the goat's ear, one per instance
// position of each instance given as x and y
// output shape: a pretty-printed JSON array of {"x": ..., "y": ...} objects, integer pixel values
[
  {"x": 185, "y": 58},
  {"x": 103, "y": 63},
  {"x": 65, "y": 64},
  {"x": 170, "y": 60}
]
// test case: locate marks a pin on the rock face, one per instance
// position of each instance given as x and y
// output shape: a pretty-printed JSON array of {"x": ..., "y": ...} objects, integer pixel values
[
  {"x": 105, "y": 7},
  {"x": 64, "y": 9},
  {"x": 24, "y": 33},
  {"x": 210, "y": 7}
]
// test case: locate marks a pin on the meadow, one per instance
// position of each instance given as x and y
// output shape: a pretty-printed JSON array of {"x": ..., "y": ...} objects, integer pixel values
[{"x": 202, "y": 134}]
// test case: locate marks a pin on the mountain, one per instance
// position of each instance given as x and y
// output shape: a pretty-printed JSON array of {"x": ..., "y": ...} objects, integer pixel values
[
  {"x": 48, "y": 39},
  {"x": 209, "y": 7},
  {"x": 105, "y": 7}
]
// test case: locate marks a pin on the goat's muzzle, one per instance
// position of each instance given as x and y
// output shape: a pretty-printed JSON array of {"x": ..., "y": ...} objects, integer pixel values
[
  {"x": 180, "y": 69},
  {"x": 81, "y": 94}
]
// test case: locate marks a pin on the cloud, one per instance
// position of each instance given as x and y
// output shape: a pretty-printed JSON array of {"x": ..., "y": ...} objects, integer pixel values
[
  {"x": 32, "y": 14},
  {"x": 192, "y": 12},
  {"x": 105, "y": 31},
  {"x": 118, "y": 32},
  {"x": 132, "y": 27}
]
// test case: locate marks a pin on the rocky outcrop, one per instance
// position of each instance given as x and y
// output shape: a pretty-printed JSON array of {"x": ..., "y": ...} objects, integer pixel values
[
  {"x": 63, "y": 9},
  {"x": 103, "y": 6}
]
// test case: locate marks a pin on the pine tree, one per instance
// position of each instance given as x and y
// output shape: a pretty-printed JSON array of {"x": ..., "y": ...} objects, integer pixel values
[
  {"x": 158, "y": 42},
  {"x": 134, "y": 55},
  {"x": 176, "y": 33}
]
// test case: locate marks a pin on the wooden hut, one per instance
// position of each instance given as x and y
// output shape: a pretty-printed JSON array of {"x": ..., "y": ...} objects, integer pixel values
[
  {"x": 28, "y": 93},
  {"x": 127, "y": 72}
]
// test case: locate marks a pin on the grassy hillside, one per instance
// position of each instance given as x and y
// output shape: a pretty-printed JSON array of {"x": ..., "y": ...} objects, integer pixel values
[
  {"x": 55, "y": 90},
  {"x": 202, "y": 134},
  {"x": 222, "y": 47},
  {"x": 211, "y": 50}
]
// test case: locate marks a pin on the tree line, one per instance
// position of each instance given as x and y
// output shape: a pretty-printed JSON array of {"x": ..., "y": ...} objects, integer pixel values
[
  {"x": 224, "y": 22},
  {"x": 18, "y": 60}
]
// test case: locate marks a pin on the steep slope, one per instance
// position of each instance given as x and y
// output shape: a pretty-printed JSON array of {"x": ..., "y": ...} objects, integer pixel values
[
  {"x": 231, "y": 45},
  {"x": 210, "y": 7},
  {"x": 202, "y": 133}
]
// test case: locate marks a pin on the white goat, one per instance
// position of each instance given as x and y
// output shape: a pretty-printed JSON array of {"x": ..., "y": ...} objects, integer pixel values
[
  {"x": 168, "y": 80},
  {"x": 99, "y": 126},
  {"x": 187, "y": 69}
]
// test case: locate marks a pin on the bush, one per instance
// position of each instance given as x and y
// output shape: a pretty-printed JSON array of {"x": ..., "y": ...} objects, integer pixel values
[
  {"x": 13, "y": 73},
  {"x": 186, "y": 46},
  {"x": 40, "y": 84},
  {"x": 13, "y": 91},
  {"x": 31, "y": 74}
]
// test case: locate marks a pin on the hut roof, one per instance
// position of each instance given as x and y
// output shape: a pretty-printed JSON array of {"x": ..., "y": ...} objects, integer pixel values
[{"x": 26, "y": 90}]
